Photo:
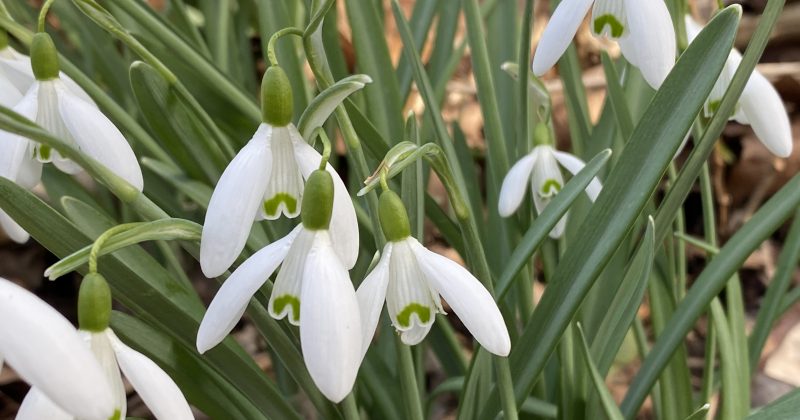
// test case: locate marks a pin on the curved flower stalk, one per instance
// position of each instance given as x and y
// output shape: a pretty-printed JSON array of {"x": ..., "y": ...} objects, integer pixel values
[
  {"x": 266, "y": 179},
  {"x": 312, "y": 289},
  {"x": 47, "y": 352},
  {"x": 760, "y": 106},
  {"x": 410, "y": 279},
  {"x": 161, "y": 395},
  {"x": 643, "y": 29},
  {"x": 540, "y": 166},
  {"x": 52, "y": 104}
]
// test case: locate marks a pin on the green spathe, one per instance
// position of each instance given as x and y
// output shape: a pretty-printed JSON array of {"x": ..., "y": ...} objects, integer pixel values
[
  {"x": 317, "y": 201},
  {"x": 94, "y": 303},
  {"x": 276, "y": 98},
  {"x": 44, "y": 57},
  {"x": 393, "y": 216}
]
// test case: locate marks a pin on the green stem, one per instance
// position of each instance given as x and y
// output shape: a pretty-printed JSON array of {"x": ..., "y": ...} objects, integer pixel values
[
  {"x": 98, "y": 243},
  {"x": 43, "y": 15},
  {"x": 350, "y": 408},
  {"x": 326, "y": 147},
  {"x": 408, "y": 381},
  {"x": 271, "y": 56}
]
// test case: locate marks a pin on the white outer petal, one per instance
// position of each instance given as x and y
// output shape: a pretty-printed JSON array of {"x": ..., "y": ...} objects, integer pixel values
[
  {"x": 11, "y": 95},
  {"x": 559, "y": 33},
  {"x": 469, "y": 299},
  {"x": 330, "y": 325},
  {"x": 764, "y": 111},
  {"x": 158, "y": 391},
  {"x": 650, "y": 44},
  {"x": 14, "y": 231},
  {"x": 98, "y": 137},
  {"x": 344, "y": 225},
  {"x": 575, "y": 165},
  {"x": 233, "y": 297},
  {"x": 46, "y": 351},
  {"x": 104, "y": 353},
  {"x": 371, "y": 296},
  {"x": 36, "y": 406},
  {"x": 236, "y": 200},
  {"x": 515, "y": 184},
  {"x": 17, "y": 68}
]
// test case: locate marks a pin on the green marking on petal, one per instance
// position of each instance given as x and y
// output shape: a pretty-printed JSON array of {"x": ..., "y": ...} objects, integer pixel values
[
  {"x": 550, "y": 187},
  {"x": 713, "y": 106},
  {"x": 617, "y": 28},
  {"x": 423, "y": 313},
  {"x": 280, "y": 304},
  {"x": 117, "y": 415},
  {"x": 43, "y": 153},
  {"x": 271, "y": 206}
]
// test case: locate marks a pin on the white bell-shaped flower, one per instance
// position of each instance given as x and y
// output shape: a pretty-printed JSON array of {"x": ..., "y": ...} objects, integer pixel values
[
  {"x": 411, "y": 279},
  {"x": 47, "y": 352},
  {"x": 312, "y": 289},
  {"x": 53, "y": 105},
  {"x": 643, "y": 29},
  {"x": 759, "y": 106},
  {"x": 266, "y": 179},
  {"x": 540, "y": 166}
]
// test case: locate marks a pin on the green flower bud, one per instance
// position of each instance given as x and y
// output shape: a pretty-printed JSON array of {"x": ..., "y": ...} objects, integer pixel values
[
  {"x": 393, "y": 216},
  {"x": 94, "y": 303},
  {"x": 317, "y": 201},
  {"x": 541, "y": 135},
  {"x": 44, "y": 57},
  {"x": 276, "y": 98}
]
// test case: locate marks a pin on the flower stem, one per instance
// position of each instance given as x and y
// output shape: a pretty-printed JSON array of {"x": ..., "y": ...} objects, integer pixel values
[
  {"x": 271, "y": 56},
  {"x": 350, "y": 408},
  {"x": 98, "y": 243},
  {"x": 408, "y": 381},
  {"x": 326, "y": 147},
  {"x": 43, "y": 15}
]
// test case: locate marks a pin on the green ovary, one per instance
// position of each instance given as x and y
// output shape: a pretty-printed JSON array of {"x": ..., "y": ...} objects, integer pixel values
[
  {"x": 550, "y": 187},
  {"x": 280, "y": 304},
  {"x": 617, "y": 28},
  {"x": 423, "y": 313},
  {"x": 271, "y": 206}
]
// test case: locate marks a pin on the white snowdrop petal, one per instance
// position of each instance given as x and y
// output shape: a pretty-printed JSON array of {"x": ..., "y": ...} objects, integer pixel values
[
  {"x": 330, "y": 326},
  {"x": 344, "y": 225},
  {"x": 234, "y": 203},
  {"x": 158, "y": 391},
  {"x": 98, "y": 137},
  {"x": 36, "y": 406},
  {"x": 574, "y": 165},
  {"x": 104, "y": 353},
  {"x": 371, "y": 295},
  {"x": 469, "y": 299},
  {"x": 46, "y": 351},
  {"x": 234, "y": 295},
  {"x": 415, "y": 334},
  {"x": 14, "y": 231},
  {"x": 765, "y": 112},
  {"x": 651, "y": 44},
  {"x": 285, "y": 188},
  {"x": 514, "y": 185},
  {"x": 75, "y": 89},
  {"x": 609, "y": 19},
  {"x": 546, "y": 179},
  {"x": 11, "y": 94},
  {"x": 286, "y": 293},
  {"x": 17, "y": 68},
  {"x": 559, "y": 33},
  {"x": 409, "y": 298}
]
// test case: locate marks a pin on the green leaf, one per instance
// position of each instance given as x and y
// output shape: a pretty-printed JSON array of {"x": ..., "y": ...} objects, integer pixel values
[
  {"x": 607, "y": 400},
  {"x": 785, "y": 408},
  {"x": 645, "y": 159},
  {"x": 327, "y": 101}
]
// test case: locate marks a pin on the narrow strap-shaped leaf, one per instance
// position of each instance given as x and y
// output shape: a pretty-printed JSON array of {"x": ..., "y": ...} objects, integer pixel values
[
  {"x": 607, "y": 400},
  {"x": 785, "y": 407},
  {"x": 327, "y": 101}
]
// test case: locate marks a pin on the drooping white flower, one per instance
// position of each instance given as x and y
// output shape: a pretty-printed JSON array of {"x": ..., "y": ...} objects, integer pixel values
[
  {"x": 47, "y": 352},
  {"x": 161, "y": 395},
  {"x": 759, "y": 106},
  {"x": 411, "y": 279},
  {"x": 643, "y": 29},
  {"x": 312, "y": 289},
  {"x": 540, "y": 166},
  {"x": 54, "y": 106}
]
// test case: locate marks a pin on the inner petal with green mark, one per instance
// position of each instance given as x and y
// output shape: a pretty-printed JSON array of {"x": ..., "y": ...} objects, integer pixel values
[
  {"x": 608, "y": 18},
  {"x": 273, "y": 205},
  {"x": 549, "y": 188},
  {"x": 43, "y": 153},
  {"x": 285, "y": 187},
  {"x": 422, "y": 312},
  {"x": 287, "y": 304},
  {"x": 608, "y": 25}
]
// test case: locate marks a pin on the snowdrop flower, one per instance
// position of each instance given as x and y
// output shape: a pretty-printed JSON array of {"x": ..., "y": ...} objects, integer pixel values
[
  {"x": 760, "y": 106},
  {"x": 154, "y": 386},
  {"x": 265, "y": 180},
  {"x": 312, "y": 289},
  {"x": 410, "y": 279},
  {"x": 643, "y": 29},
  {"x": 55, "y": 107},
  {"x": 47, "y": 352},
  {"x": 540, "y": 166}
]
